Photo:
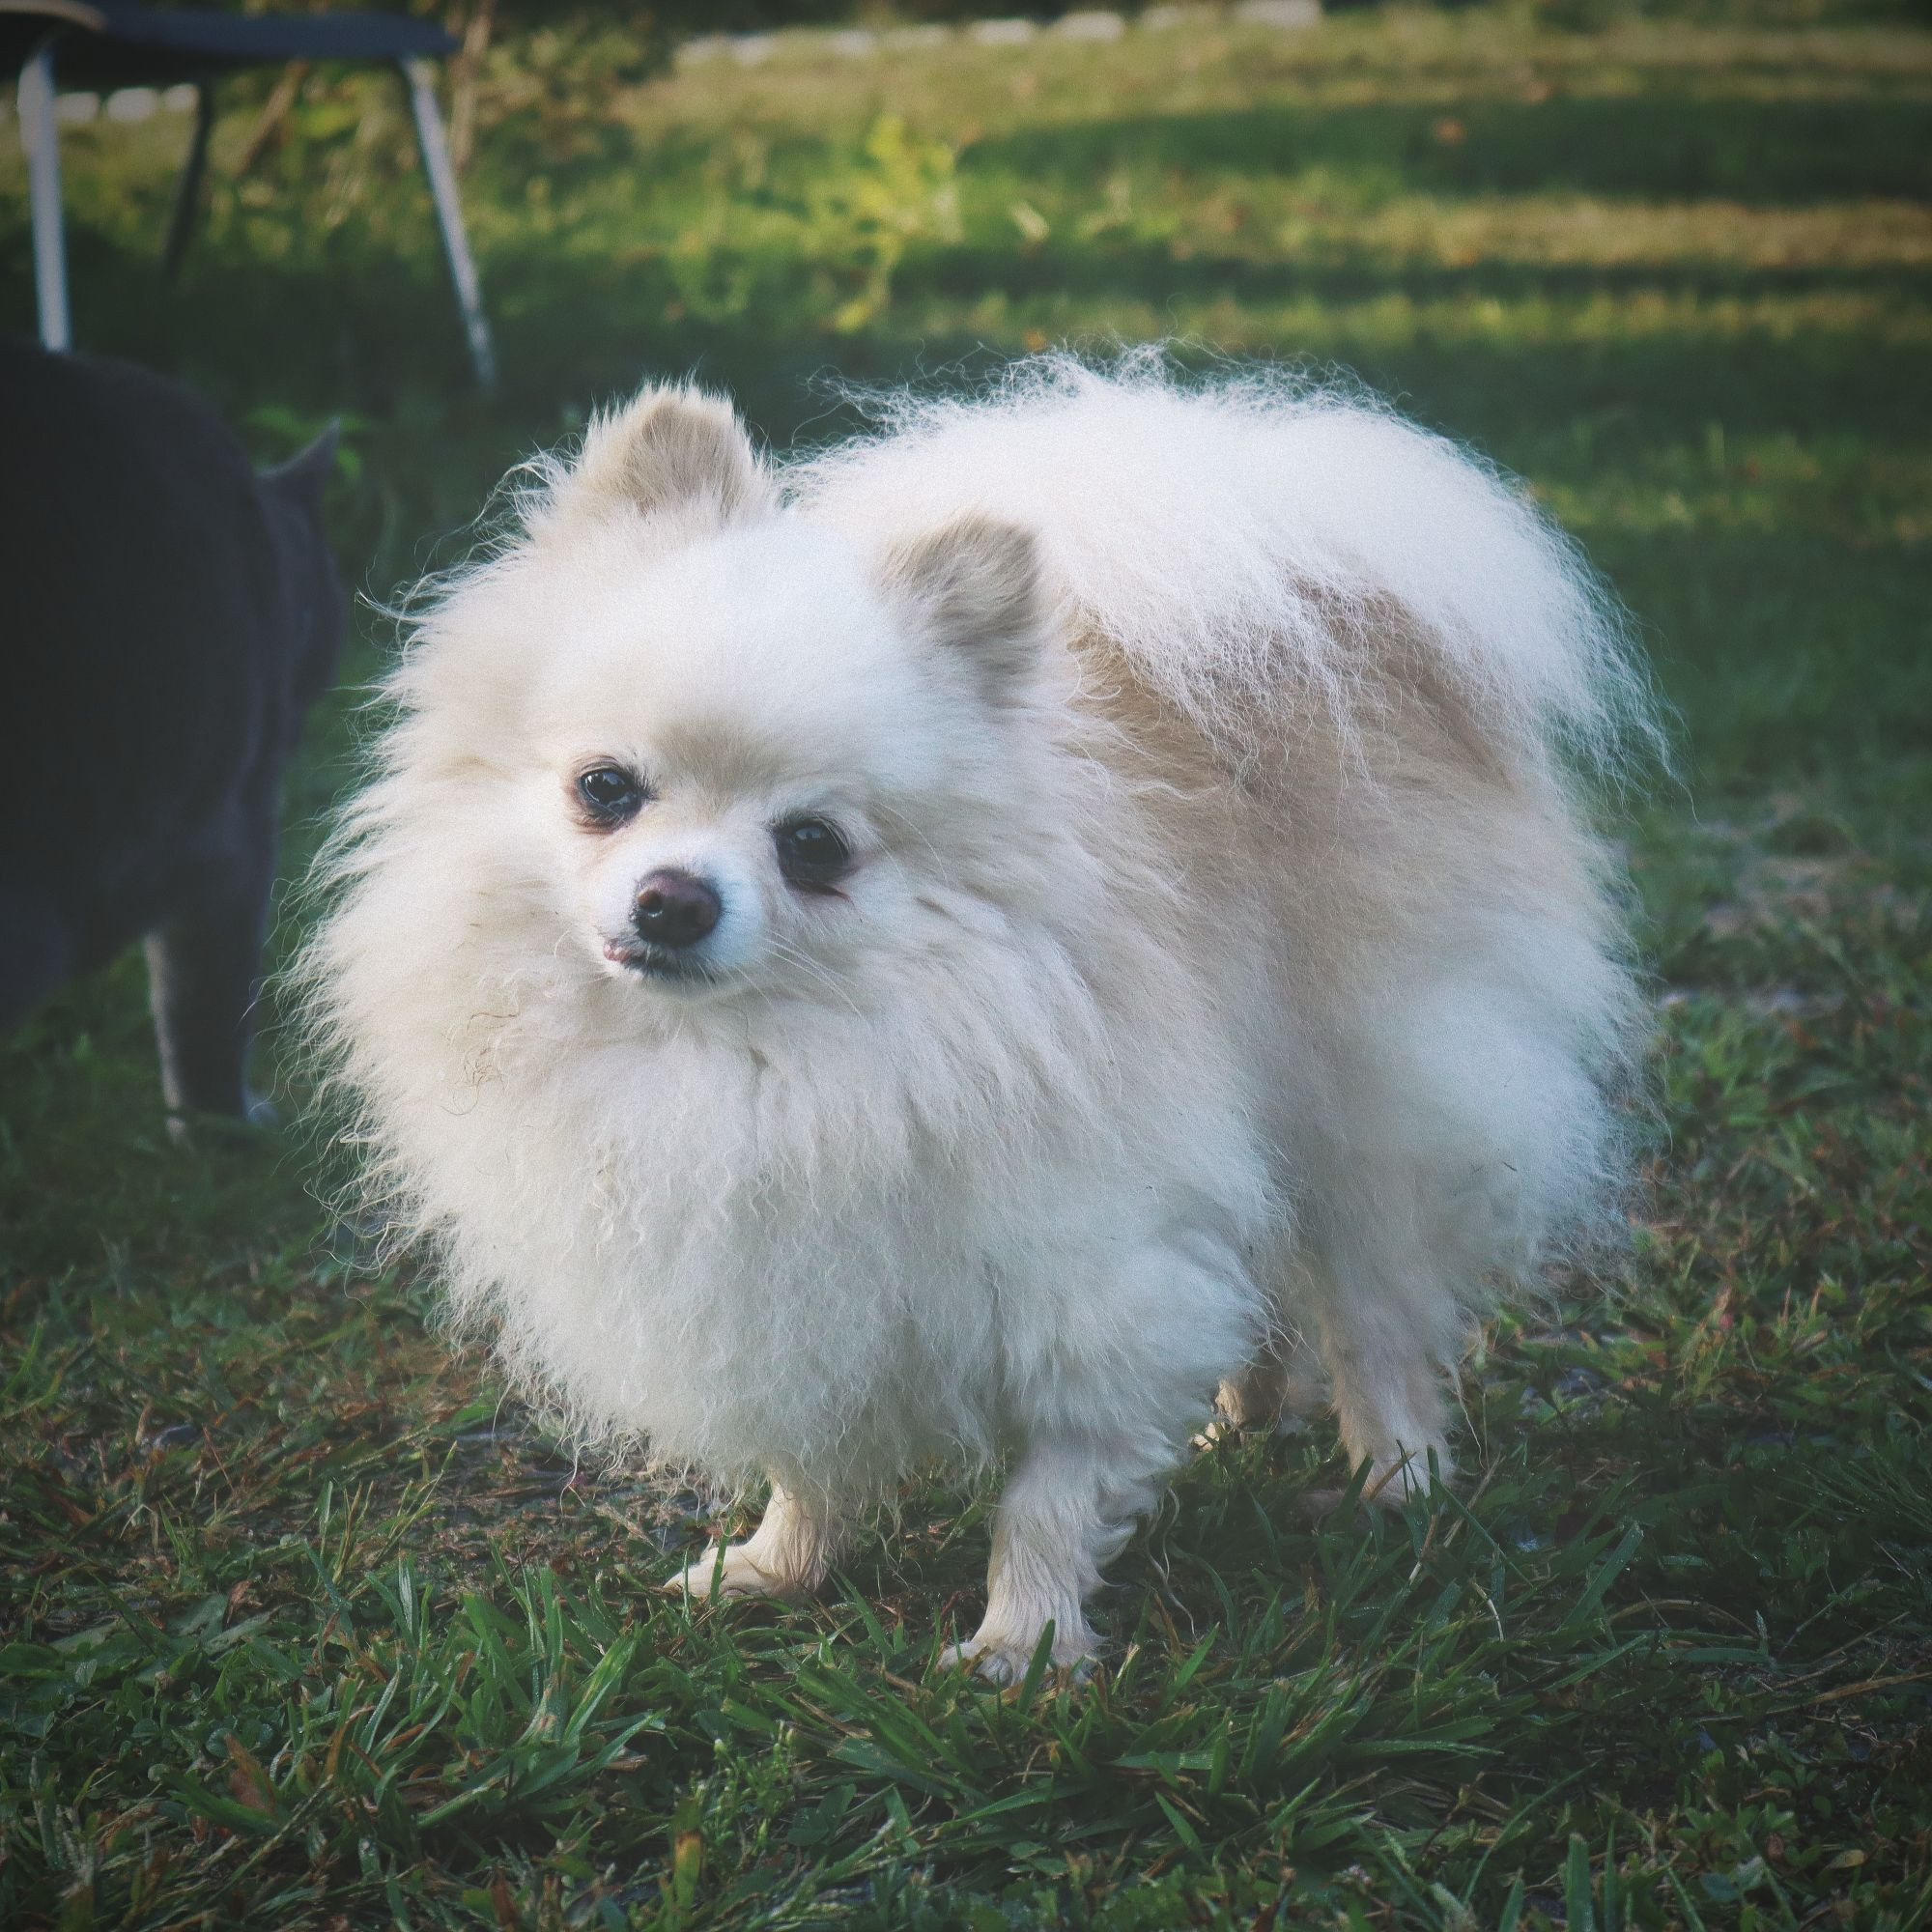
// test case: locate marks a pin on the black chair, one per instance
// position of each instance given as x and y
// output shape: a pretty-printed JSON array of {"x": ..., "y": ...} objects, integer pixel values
[{"x": 103, "y": 45}]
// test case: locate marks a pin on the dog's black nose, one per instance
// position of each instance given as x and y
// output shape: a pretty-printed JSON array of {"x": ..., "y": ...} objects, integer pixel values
[{"x": 675, "y": 908}]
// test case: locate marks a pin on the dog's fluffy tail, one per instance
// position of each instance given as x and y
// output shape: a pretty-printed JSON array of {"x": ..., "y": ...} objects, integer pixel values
[{"x": 1240, "y": 538}]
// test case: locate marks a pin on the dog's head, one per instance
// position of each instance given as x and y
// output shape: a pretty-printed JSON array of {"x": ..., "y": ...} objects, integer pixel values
[{"x": 751, "y": 752}]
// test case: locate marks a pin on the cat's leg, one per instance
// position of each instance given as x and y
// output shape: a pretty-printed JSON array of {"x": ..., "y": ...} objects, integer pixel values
[
  {"x": 37, "y": 952},
  {"x": 204, "y": 976}
]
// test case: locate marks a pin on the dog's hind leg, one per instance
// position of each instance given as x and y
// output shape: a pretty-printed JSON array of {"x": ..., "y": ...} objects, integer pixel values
[
  {"x": 1254, "y": 1399},
  {"x": 1281, "y": 1388},
  {"x": 204, "y": 971},
  {"x": 788, "y": 1555}
]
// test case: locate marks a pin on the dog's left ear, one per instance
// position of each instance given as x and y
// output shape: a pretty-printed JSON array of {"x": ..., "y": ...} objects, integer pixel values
[
  {"x": 670, "y": 447},
  {"x": 974, "y": 587}
]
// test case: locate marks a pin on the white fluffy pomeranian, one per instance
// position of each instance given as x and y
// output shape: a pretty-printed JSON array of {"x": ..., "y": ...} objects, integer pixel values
[{"x": 955, "y": 950}]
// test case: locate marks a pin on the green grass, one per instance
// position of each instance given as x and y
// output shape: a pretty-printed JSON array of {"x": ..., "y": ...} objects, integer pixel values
[{"x": 306, "y": 1626}]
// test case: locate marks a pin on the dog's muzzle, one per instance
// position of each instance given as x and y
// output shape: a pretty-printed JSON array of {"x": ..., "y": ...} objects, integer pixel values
[{"x": 673, "y": 909}]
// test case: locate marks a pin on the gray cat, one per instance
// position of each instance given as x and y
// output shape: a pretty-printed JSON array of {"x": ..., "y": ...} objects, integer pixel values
[{"x": 169, "y": 615}]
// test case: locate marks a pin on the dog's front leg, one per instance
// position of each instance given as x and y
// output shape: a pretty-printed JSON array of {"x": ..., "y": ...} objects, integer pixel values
[
  {"x": 788, "y": 1555},
  {"x": 1068, "y": 1508},
  {"x": 1390, "y": 1394}
]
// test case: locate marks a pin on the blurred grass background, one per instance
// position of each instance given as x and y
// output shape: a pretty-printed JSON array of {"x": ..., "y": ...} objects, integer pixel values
[{"x": 305, "y": 1627}]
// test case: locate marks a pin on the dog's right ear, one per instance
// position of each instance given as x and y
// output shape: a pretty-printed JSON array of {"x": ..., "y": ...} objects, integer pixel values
[{"x": 672, "y": 447}]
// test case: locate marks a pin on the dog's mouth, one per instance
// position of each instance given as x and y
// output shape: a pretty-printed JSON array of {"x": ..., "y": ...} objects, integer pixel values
[{"x": 658, "y": 962}]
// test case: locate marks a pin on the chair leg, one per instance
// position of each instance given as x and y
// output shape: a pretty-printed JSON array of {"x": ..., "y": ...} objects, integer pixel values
[
  {"x": 435, "y": 145},
  {"x": 187, "y": 190},
  {"x": 39, "y": 136}
]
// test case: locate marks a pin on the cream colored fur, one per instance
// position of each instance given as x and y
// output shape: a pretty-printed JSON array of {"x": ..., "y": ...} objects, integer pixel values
[{"x": 1224, "y": 962}]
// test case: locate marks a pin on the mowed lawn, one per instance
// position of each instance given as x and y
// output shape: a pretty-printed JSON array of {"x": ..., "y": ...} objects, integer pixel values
[{"x": 303, "y": 1626}]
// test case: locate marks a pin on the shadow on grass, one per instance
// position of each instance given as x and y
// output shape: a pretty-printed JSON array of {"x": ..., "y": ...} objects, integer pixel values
[{"x": 1654, "y": 149}]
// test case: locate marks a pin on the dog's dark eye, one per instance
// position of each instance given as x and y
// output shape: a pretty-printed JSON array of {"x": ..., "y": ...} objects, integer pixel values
[
  {"x": 810, "y": 852},
  {"x": 609, "y": 794}
]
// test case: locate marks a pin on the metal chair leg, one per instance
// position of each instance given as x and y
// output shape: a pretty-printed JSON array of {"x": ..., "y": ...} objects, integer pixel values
[
  {"x": 39, "y": 136},
  {"x": 435, "y": 145},
  {"x": 187, "y": 190}
]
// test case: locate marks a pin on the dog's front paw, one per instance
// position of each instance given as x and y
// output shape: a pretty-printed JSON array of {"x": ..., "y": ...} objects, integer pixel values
[
  {"x": 1006, "y": 1661},
  {"x": 1394, "y": 1478},
  {"x": 726, "y": 1574}
]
